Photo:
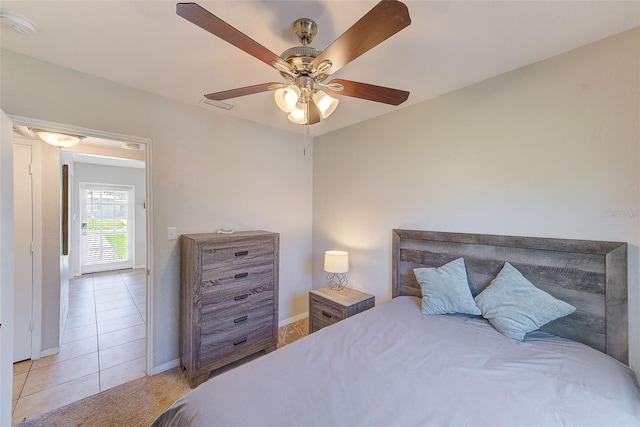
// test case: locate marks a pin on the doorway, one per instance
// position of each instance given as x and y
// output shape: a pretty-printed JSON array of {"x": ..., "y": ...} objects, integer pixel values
[{"x": 127, "y": 275}]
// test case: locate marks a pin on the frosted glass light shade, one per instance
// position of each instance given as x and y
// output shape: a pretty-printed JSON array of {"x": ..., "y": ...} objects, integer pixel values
[
  {"x": 59, "y": 139},
  {"x": 336, "y": 262},
  {"x": 299, "y": 114},
  {"x": 286, "y": 98},
  {"x": 326, "y": 104}
]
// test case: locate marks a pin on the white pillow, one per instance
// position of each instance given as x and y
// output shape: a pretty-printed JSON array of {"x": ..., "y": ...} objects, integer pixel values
[
  {"x": 445, "y": 290},
  {"x": 514, "y": 306}
]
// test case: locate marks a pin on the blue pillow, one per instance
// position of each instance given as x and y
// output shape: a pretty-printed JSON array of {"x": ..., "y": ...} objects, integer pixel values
[
  {"x": 514, "y": 306},
  {"x": 445, "y": 290}
]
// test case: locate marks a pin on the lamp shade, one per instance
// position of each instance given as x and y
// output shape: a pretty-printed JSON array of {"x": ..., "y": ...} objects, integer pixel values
[
  {"x": 58, "y": 139},
  {"x": 286, "y": 98},
  {"x": 336, "y": 261},
  {"x": 299, "y": 114},
  {"x": 326, "y": 104}
]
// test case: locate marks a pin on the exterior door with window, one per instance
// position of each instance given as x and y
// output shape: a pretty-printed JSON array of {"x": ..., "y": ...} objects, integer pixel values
[{"x": 106, "y": 227}]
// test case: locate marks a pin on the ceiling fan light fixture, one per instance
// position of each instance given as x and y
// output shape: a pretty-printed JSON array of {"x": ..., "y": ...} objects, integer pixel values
[
  {"x": 326, "y": 104},
  {"x": 299, "y": 114},
  {"x": 286, "y": 98},
  {"x": 61, "y": 140}
]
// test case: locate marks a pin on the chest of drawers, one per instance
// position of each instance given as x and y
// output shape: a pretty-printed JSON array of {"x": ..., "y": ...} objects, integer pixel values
[{"x": 229, "y": 299}]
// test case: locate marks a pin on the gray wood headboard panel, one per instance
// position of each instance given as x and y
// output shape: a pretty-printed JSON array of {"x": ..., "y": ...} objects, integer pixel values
[{"x": 591, "y": 275}]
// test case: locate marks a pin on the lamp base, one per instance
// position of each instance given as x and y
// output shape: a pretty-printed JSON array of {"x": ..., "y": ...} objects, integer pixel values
[{"x": 337, "y": 281}]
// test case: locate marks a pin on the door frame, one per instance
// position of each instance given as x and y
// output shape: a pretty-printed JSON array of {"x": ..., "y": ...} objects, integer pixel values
[{"x": 77, "y": 130}]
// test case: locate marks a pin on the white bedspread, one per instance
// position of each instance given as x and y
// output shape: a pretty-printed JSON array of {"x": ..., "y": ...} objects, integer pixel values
[{"x": 393, "y": 366}]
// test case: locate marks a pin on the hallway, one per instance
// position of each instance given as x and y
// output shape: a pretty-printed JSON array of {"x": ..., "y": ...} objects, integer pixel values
[{"x": 103, "y": 345}]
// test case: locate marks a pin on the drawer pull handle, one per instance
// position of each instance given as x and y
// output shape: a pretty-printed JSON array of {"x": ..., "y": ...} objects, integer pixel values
[
  {"x": 241, "y": 297},
  {"x": 242, "y": 253},
  {"x": 241, "y": 275},
  {"x": 240, "y": 319},
  {"x": 325, "y": 314},
  {"x": 240, "y": 341}
]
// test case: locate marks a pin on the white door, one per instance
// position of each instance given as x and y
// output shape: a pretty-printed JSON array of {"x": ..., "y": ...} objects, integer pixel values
[
  {"x": 23, "y": 255},
  {"x": 106, "y": 227}
]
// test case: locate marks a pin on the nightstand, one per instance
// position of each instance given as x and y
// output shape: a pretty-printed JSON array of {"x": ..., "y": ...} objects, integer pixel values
[{"x": 327, "y": 306}]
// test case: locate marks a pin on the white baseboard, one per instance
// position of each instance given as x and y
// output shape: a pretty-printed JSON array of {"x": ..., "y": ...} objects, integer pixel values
[
  {"x": 293, "y": 319},
  {"x": 164, "y": 367},
  {"x": 139, "y": 266},
  {"x": 50, "y": 351}
]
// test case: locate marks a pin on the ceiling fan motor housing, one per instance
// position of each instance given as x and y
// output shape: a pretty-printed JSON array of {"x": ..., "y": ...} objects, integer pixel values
[{"x": 300, "y": 58}]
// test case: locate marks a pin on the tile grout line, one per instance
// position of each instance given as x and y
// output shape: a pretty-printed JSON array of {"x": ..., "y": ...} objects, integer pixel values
[
  {"x": 126, "y": 285},
  {"x": 95, "y": 313},
  {"x": 23, "y": 384}
]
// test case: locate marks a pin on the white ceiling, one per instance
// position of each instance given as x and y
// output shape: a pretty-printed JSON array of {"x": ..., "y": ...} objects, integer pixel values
[{"x": 449, "y": 45}]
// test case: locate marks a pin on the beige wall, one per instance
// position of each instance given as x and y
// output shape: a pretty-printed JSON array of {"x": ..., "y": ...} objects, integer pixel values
[
  {"x": 550, "y": 150},
  {"x": 208, "y": 171}
]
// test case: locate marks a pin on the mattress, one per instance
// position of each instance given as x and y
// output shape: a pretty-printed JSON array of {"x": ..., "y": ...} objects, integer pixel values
[{"x": 394, "y": 366}]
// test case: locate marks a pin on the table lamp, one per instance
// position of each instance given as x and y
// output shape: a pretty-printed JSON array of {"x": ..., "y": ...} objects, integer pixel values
[{"x": 336, "y": 264}]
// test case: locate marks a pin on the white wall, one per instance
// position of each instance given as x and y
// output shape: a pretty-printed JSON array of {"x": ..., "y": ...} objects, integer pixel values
[
  {"x": 549, "y": 150},
  {"x": 101, "y": 174},
  {"x": 208, "y": 170}
]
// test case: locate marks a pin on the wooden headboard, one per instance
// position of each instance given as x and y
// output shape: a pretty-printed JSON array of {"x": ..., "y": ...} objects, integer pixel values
[{"x": 590, "y": 275}]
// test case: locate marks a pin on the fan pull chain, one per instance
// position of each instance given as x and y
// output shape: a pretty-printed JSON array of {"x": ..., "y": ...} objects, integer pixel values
[{"x": 304, "y": 134}]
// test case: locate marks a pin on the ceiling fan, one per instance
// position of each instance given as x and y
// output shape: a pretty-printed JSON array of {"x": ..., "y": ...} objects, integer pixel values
[{"x": 305, "y": 68}]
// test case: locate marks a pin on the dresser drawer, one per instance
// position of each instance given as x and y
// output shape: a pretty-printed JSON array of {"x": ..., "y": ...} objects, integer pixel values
[
  {"x": 326, "y": 313},
  {"x": 247, "y": 253},
  {"x": 230, "y": 275},
  {"x": 245, "y": 295},
  {"x": 235, "y": 320},
  {"x": 218, "y": 345}
]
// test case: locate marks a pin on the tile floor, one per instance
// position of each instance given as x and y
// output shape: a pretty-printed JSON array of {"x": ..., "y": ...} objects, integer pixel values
[{"x": 103, "y": 345}]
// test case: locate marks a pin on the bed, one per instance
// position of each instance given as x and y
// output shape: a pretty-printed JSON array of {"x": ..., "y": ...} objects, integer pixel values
[{"x": 393, "y": 365}]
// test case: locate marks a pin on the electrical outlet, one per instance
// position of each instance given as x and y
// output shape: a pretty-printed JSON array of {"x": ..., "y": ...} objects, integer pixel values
[{"x": 172, "y": 233}]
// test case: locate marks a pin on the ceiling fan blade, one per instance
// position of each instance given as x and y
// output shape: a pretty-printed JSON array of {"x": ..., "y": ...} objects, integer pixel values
[
  {"x": 370, "y": 92},
  {"x": 204, "y": 19},
  {"x": 314, "y": 113},
  {"x": 242, "y": 91},
  {"x": 384, "y": 20}
]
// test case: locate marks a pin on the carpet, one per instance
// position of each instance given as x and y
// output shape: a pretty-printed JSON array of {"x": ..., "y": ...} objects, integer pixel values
[{"x": 136, "y": 403}]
